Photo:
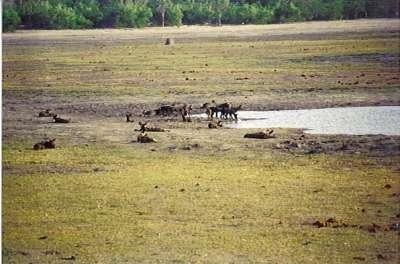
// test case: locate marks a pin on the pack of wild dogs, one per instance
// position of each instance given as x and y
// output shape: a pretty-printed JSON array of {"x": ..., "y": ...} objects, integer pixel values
[{"x": 216, "y": 113}]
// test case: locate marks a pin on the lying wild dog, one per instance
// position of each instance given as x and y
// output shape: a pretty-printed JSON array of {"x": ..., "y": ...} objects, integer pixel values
[
  {"x": 60, "y": 120},
  {"x": 215, "y": 124},
  {"x": 46, "y": 113},
  {"x": 144, "y": 138},
  {"x": 47, "y": 144},
  {"x": 269, "y": 133},
  {"x": 128, "y": 117},
  {"x": 231, "y": 113},
  {"x": 144, "y": 128}
]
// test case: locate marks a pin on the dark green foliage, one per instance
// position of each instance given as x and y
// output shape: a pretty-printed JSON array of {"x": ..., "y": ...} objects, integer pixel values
[
  {"x": 196, "y": 12},
  {"x": 175, "y": 15},
  {"x": 11, "y": 19},
  {"x": 133, "y": 15},
  {"x": 58, "y": 14},
  {"x": 247, "y": 14}
]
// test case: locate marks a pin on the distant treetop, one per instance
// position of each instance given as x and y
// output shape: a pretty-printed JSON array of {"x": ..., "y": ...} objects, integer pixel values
[{"x": 75, "y": 14}]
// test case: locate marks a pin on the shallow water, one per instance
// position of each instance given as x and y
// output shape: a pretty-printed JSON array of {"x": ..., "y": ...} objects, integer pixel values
[{"x": 344, "y": 120}]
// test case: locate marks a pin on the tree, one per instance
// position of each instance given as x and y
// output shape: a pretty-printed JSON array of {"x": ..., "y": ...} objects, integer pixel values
[
  {"x": 220, "y": 6},
  {"x": 162, "y": 6}
]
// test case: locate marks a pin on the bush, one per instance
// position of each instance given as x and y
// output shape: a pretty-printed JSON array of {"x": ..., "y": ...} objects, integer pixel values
[
  {"x": 62, "y": 17},
  {"x": 36, "y": 14},
  {"x": 88, "y": 13},
  {"x": 197, "y": 12},
  {"x": 44, "y": 15},
  {"x": 11, "y": 19},
  {"x": 132, "y": 15},
  {"x": 174, "y": 15}
]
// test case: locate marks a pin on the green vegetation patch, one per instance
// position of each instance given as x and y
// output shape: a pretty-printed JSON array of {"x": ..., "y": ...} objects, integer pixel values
[{"x": 157, "y": 207}]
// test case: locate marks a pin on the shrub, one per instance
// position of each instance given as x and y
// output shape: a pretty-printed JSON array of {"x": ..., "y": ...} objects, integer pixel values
[
  {"x": 175, "y": 15},
  {"x": 132, "y": 15}
]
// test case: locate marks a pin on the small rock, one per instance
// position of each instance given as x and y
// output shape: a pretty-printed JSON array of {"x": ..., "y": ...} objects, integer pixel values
[
  {"x": 43, "y": 237},
  {"x": 388, "y": 186}
]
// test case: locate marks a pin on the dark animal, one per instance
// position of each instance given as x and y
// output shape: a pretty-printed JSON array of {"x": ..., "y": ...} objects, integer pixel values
[
  {"x": 169, "y": 41},
  {"x": 222, "y": 108},
  {"x": 47, "y": 144},
  {"x": 269, "y": 133},
  {"x": 231, "y": 112},
  {"x": 165, "y": 110},
  {"x": 213, "y": 109},
  {"x": 60, "y": 120},
  {"x": 209, "y": 110},
  {"x": 185, "y": 111},
  {"x": 128, "y": 117},
  {"x": 46, "y": 113}
]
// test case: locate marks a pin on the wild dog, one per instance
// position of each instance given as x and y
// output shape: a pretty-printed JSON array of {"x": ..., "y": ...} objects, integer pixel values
[
  {"x": 215, "y": 124},
  {"x": 144, "y": 128},
  {"x": 269, "y": 133},
  {"x": 128, "y": 117},
  {"x": 60, "y": 120},
  {"x": 209, "y": 111},
  {"x": 231, "y": 113},
  {"x": 165, "y": 110},
  {"x": 144, "y": 138},
  {"x": 213, "y": 109},
  {"x": 47, "y": 144},
  {"x": 185, "y": 111},
  {"x": 46, "y": 113}
]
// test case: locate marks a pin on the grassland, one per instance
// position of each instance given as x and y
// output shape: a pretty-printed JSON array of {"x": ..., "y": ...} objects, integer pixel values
[{"x": 197, "y": 195}]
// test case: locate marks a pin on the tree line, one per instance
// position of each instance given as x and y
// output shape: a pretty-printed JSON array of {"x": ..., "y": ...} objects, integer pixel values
[{"x": 79, "y": 14}]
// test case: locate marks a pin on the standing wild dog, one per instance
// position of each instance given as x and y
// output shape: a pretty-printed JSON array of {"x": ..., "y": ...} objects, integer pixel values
[
  {"x": 207, "y": 106},
  {"x": 231, "y": 113},
  {"x": 185, "y": 111},
  {"x": 213, "y": 109},
  {"x": 128, "y": 117}
]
